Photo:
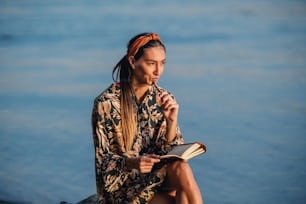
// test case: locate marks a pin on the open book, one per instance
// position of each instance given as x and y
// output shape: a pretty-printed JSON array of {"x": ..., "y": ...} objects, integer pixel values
[{"x": 185, "y": 151}]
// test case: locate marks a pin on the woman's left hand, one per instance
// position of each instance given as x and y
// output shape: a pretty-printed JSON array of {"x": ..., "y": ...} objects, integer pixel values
[{"x": 170, "y": 107}]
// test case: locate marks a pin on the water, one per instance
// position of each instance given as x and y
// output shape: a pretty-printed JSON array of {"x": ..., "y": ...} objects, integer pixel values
[{"x": 237, "y": 68}]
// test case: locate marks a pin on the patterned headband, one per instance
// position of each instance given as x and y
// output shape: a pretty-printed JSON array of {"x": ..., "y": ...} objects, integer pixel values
[{"x": 141, "y": 41}]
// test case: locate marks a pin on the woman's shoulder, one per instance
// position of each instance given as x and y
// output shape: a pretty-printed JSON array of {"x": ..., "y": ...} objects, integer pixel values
[{"x": 112, "y": 92}]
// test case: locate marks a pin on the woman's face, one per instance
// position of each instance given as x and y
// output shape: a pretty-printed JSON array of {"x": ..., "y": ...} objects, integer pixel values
[{"x": 149, "y": 67}]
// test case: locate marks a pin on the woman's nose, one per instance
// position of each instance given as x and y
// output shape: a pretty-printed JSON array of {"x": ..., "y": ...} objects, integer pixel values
[{"x": 159, "y": 69}]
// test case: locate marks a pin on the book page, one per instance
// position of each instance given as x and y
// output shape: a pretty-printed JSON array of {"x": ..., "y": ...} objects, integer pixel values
[
  {"x": 194, "y": 154},
  {"x": 190, "y": 150},
  {"x": 186, "y": 151},
  {"x": 179, "y": 149}
]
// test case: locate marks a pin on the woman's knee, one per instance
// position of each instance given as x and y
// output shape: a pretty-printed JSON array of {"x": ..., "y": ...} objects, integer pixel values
[
  {"x": 179, "y": 175},
  {"x": 179, "y": 168}
]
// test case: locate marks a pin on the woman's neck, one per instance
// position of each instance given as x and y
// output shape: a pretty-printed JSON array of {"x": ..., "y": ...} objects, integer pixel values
[{"x": 140, "y": 91}]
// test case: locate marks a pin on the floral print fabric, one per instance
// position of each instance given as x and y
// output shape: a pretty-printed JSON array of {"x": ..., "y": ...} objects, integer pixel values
[{"x": 115, "y": 183}]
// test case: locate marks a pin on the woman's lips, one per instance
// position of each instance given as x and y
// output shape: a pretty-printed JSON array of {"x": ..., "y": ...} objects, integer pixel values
[{"x": 154, "y": 80}]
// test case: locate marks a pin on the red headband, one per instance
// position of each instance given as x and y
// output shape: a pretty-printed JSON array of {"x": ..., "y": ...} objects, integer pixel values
[{"x": 141, "y": 41}]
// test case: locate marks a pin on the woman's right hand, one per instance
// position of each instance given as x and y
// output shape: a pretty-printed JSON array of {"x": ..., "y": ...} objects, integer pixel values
[{"x": 143, "y": 164}]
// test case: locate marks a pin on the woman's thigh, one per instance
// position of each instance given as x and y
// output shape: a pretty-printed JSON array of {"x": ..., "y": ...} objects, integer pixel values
[
  {"x": 179, "y": 174},
  {"x": 162, "y": 198}
]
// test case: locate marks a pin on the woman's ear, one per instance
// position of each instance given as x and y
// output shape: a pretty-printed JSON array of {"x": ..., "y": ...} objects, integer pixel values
[{"x": 132, "y": 61}]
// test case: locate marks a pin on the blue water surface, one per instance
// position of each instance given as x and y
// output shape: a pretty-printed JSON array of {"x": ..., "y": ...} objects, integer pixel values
[{"x": 237, "y": 69}]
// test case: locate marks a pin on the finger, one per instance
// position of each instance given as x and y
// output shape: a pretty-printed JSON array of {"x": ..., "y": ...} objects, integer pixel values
[
  {"x": 145, "y": 168},
  {"x": 170, "y": 106},
  {"x": 152, "y": 157},
  {"x": 167, "y": 100},
  {"x": 162, "y": 94},
  {"x": 145, "y": 158},
  {"x": 165, "y": 96},
  {"x": 148, "y": 161},
  {"x": 166, "y": 104},
  {"x": 155, "y": 156},
  {"x": 143, "y": 171}
]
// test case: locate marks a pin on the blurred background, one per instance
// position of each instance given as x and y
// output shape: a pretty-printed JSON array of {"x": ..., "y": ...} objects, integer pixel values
[{"x": 236, "y": 67}]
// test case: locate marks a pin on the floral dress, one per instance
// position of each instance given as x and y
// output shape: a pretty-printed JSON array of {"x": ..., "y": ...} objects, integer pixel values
[{"x": 115, "y": 183}]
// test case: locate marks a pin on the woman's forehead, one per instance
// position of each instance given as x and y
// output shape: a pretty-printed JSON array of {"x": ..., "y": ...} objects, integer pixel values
[{"x": 154, "y": 53}]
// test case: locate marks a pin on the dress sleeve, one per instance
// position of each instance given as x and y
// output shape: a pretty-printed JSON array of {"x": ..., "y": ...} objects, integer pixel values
[
  {"x": 111, "y": 171},
  {"x": 162, "y": 142}
]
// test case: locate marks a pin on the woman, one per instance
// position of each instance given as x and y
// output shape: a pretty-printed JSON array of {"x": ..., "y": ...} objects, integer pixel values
[{"x": 134, "y": 121}]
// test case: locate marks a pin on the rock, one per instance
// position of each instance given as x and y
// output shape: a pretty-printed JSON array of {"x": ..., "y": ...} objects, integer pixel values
[
  {"x": 13, "y": 202},
  {"x": 93, "y": 199}
]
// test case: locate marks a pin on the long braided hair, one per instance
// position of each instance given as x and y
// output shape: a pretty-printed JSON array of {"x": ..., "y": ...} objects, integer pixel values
[{"x": 123, "y": 71}]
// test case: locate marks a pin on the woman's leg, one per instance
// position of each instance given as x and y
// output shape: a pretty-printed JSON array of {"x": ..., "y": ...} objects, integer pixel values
[
  {"x": 162, "y": 198},
  {"x": 180, "y": 177}
]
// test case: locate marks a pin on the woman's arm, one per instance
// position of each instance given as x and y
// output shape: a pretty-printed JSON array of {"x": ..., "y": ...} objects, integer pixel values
[
  {"x": 110, "y": 166},
  {"x": 170, "y": 111}
]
